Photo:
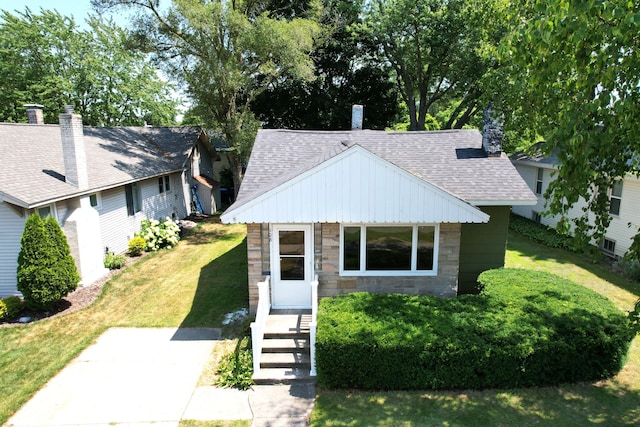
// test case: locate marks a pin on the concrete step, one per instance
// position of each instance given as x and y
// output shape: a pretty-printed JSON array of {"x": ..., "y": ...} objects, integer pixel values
[
  {"x": 283, "y": 376},
  {"x": 291, "y": 335},
  {"x": 287, "y": 323},
  {"x": 285, "y": 360},
  {"x": 284, "y": 345}
]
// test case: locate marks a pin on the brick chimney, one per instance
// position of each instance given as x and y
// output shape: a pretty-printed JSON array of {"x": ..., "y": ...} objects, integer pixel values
[
  {"x": 34, "y": 114},
  {"x": 357, "y": 115},
  {"x": 75, "y": 159},
  {"x": 492, "y": 132}
]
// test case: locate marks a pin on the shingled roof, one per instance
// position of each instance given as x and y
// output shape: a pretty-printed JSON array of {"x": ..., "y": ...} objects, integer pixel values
[
  {"x": 452, "y": 160},
  {"x": 32, "y": 167}
]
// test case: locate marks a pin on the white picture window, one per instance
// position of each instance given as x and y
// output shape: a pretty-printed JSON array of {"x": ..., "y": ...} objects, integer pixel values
[
  {"x": 609, "y": 246},
  {"x": 379, "y": 250},
  {"x": 95, "y": 200},
  {"x": 539, "y": 177},
  {"x": 164, "y": 184}
]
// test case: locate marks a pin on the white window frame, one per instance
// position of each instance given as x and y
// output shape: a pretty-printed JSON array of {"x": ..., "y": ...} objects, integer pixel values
[
  {"x": 414, "y": 250},
  {"x": 164, "y": 184},
  {"x": 536, "y": 217},
  {"x": 619, "y": 198},
  {"x": 98, "y": 205},
  {"x": 607, "y": 251},
  {"x": 52, "y": 209},
  {"x": 539, "y": 180}
]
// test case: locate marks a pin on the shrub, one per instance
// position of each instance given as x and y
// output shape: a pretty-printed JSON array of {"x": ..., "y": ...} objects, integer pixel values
[
  {"x": 46, "y": 270},
  {"x": 526, "y": 328},
  {"x": 137, "y": 245},
  {"x": 540, "y": 233},
  {"x": 629, "y": 267},
  {"x": 236, "y": 369},
  {"x": 10, "y": 307},
  {"x": 113, "y": 261},
  {"x": 158, "y": 234}
]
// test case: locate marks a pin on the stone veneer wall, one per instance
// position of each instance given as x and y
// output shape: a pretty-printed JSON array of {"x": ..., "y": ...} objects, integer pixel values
[
  {"x": 326, "y": 263},
  {"x": 444, "y": 284}
]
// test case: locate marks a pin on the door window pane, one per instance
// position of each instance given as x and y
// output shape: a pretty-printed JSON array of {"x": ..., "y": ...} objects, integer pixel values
[
  {"x": 426, "y": 237},
  {"x": 351, "y": 245},
  {"x": 292, "y": 268},
  {"x": 291, "y": 242},
  {"x": 389, "y": 248}
]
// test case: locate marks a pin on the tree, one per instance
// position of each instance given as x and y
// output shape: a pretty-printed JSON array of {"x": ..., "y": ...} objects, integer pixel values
[
  {"x": 226, "y": 52},
  {"x": 435, "y": 48},
  {"x": 572, "y": 76},
  {"x": 347, "y": 72},
  {"x": 46, "y": 270},
  {"x": 46, "y": 59}
]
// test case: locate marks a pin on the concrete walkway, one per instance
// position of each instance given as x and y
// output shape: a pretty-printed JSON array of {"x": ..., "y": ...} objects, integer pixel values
[{"x": 148, "y": 376}]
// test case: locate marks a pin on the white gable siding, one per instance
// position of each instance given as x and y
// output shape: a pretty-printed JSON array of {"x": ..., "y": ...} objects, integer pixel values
[
  {"x": 356, "y": 187},
  {"x": 618, "y": 230},
  {"x": 11, "y": 227}
]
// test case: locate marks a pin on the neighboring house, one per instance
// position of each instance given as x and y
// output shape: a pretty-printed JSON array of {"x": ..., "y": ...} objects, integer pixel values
[
  {"x": 98, "y": 182},
  {"x": 410, "y": 212},
  {"x": 537, "y": 171}
]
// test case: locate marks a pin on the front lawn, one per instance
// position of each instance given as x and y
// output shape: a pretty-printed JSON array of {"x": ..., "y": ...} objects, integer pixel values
[
  {"x": 614, "y": 402},
  {"x": 193, "y": 285}
]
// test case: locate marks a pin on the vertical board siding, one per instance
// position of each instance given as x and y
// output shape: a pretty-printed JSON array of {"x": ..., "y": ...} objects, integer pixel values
[
  {"x": 356, "y": 187},
  {"x": 11, "y": 227}
]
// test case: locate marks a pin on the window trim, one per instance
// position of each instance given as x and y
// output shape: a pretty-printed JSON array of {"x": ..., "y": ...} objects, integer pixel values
[
  {"x": 605, "y": 250},
  {"x": 539, "y": 181},
  {"x": 133, "y": 199},
  {"x": 98, "y": 205},
  {"x": 164, "y": 184},
  {"x": 536, "y": 217},
  {"x": 388, "y": 273},
  {"x": 53, "y": 211},
  {"x": 619, "y": 198}
]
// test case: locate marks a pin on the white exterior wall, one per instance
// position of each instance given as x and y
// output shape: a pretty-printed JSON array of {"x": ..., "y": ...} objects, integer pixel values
[
  {"x": 118, "y": 227},
  {"x": 11, "y": 227},
  {"x": 618, "y": 230}
]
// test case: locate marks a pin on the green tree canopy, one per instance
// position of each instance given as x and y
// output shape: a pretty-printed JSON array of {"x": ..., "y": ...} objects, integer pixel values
[
  {"x": 436, "y": 50},
  {"x": 46, "y": 59},
  {"x": 572, "y": 76},
  {"x": 347, "y": 72},
  {"x": 226, "y": 52}
]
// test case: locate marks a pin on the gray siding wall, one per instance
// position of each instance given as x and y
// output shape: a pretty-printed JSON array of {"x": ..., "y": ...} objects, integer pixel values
[{"x": 11, "y": 227}]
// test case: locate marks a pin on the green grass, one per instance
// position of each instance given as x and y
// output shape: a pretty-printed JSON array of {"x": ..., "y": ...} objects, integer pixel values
[
  {"x": 614, "y": 402},
  {"x": 194, "y": 284}
]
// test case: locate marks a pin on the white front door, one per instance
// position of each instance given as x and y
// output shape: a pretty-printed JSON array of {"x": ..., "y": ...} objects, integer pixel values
[{"x": 291, "y": 266}]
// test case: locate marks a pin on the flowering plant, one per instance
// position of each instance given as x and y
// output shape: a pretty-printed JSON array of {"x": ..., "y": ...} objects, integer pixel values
[{"x": 158, "y": 235}]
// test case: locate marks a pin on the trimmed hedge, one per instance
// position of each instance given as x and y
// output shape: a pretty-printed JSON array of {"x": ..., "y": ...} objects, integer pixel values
[
  {"x": 526, "y": 328},
  {"x": 540, "y": 233}
]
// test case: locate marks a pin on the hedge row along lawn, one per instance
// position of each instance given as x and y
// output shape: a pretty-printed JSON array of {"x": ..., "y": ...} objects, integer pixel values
[
  {"x": 612, "y": 402},
  {"x": 526, "y": 328}
]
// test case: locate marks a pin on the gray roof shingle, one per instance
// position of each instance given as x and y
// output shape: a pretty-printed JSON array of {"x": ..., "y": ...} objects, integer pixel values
[
  {"x": 452, "y": 160},
  {"x": 32, "y": 169}
]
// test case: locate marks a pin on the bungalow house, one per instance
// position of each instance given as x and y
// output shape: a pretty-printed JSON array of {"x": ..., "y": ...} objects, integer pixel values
[
  {"x": 410, "y": 212},
  {"x": 98, "y": 182},
  {"x": 537, "y": 171},
  {"x": 329, "y": 213}
]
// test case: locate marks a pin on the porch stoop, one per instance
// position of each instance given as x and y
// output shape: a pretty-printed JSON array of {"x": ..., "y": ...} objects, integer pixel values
[{"x": 285, "y": 357}]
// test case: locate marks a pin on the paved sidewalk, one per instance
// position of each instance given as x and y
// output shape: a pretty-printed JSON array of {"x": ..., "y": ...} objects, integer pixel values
[{"x": 148, "y": 376}]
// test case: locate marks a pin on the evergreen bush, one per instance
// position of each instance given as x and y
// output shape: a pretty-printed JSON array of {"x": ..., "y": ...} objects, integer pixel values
[
  {"x": 46, "y": 269},
  {"x": 137, "y": 245},
  {"x": 526, "y": 328},
  {"x": 10, "y": 307}
]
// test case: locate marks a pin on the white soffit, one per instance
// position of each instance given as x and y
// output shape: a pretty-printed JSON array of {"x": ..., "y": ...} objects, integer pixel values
[{"x": 356, "y": 186}]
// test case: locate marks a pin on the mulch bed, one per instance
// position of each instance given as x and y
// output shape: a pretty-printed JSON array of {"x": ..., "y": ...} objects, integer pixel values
[{"x": 76, "y": 300}]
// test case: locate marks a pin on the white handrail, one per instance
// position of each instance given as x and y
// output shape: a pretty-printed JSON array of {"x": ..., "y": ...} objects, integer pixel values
[
  {"x": 313, "y": 325},
  {"x": 259, "y": 325}
]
